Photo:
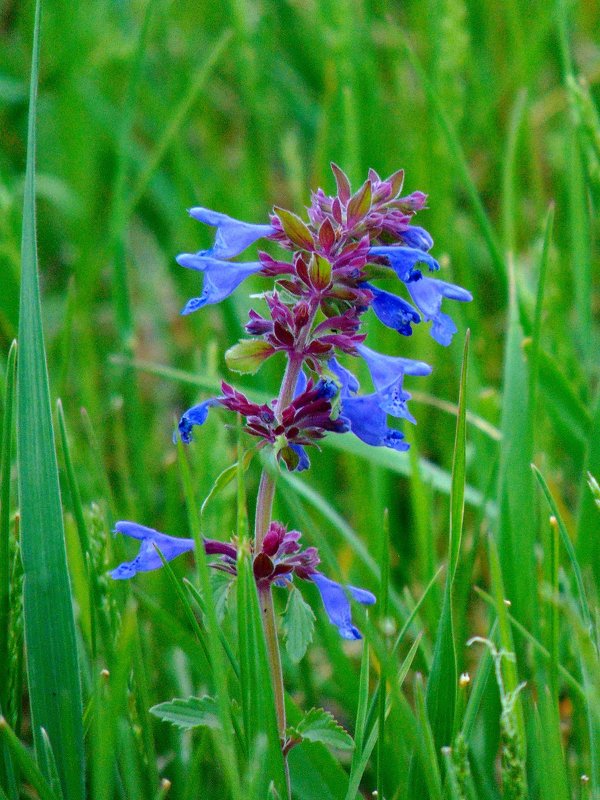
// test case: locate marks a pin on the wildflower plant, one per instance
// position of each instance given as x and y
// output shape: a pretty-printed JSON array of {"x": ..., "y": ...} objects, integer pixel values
[{"x": 327, "y": 282}]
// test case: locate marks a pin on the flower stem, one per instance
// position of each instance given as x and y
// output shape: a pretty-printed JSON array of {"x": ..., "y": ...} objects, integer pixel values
[{"x": 264, "y": 511}]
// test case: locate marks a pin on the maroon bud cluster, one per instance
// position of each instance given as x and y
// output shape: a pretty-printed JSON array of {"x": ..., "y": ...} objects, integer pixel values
[
  {"x": 281, "y": 555},
  {"x": 306, "y": 419}
]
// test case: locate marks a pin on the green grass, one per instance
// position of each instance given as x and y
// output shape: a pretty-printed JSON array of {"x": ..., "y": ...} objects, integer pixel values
[{"x": 145, "y": 109}]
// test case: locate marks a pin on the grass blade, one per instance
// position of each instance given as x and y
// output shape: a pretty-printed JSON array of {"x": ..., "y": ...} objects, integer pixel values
[
  {"x": 258, "y": 701},
  {"x": 5, "y": 462},
  {"x": 52, "y": 664}
]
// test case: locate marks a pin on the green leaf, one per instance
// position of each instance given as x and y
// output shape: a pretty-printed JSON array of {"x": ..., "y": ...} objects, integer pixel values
[
  {"x": 295, "y": 229},
  {"x": 194, "y": 712},
  {"x": 225, "y": 478},
  {"x": 224, "y": 743},
  {"x": 318, "y": 725},
  {"x": 26, "y": 763},
  {"x": 52, "y": 663},
  {"x": 5, "y": 484},
  {"x": 248, "y": 355},
  {"x": 516, "y": 530},
  {"x": 298, "y": 625},
  {"x": 258, "y": 699}
]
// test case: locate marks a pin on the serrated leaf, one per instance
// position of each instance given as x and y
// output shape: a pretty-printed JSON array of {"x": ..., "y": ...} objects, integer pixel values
[
  {"x": 247, "y": 355},
  {"x": 193, "y": 712},
  {"x": 295, "y": 229},
  {"x": 298, "y": 626},
  {"x": 318, "y": 725},
  {"x": 221, "y": 586}
]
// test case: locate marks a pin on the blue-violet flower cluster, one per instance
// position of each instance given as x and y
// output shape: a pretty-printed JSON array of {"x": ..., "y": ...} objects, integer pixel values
[{"x": 350, "y": 258}]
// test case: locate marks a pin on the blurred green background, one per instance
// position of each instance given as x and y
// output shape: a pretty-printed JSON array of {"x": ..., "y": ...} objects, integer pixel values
[{"x": 146, "y": 109}]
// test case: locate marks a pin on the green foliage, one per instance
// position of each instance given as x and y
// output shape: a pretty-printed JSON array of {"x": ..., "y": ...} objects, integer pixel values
[
  {"x": 52, "y": 662},
  {"x": 298, "y": 623},
  {"x": 148, "y": 109},
  {"x": 194, "y": 712},
  {"x": 318, "y": 725}
]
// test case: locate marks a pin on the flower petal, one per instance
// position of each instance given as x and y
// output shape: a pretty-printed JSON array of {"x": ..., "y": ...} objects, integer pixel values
[
  {"x": 417, "y": 237},
  {"x": 337, "y": 604},
  {"x": 221, "y": 278},
  {"x": 233, "y": 236},
  {"x": 349, "y": 382},
  {"x": 404, "y": 259},
  {"x": 303, "y": 459},
  {"x": 393, "y": 311},
  {"x": 196, "y": 415},
  {"x": 388, "y": 373},
  {"x": 367, "y": 420},
  {"x": 148, "y": 558},
  {"x": 427, "y": 294}
]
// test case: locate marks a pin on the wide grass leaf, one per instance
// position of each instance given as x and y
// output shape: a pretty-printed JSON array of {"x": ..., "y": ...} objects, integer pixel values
[{"x": 52, "y": 664}]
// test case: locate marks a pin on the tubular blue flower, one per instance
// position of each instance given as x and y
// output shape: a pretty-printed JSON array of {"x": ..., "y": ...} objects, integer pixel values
[
  {"x": 196, "y": 415},
  {"x": 427, "y": 294},
  {"x": 393, "y": 311},
  {"x": 232, "y": 236},
  {"x": 303, "y": 459},
  {"x": 417, "y": 237},
  {"x": 364, "y": 414},
  {"x": 367, "y": 421},
  {"x": 403, "y": 260},
  {"x": 337, "y": 604},
  {"x": 387, "y": 373},
  {"x": 148, "y": 558},
  {"x": 221, "y": 278}
]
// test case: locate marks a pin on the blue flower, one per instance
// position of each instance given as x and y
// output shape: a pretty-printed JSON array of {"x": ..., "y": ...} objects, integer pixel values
[
  {"x": 232, "y": 236},
  {"x": 403, "y": 260},
  {"x": 387, "y": 373},
  {"x": 364, "y": 414},
  {"x": 427, "y": 294},
  {"x": 367, "y": 421},
  {"x": 417, "y": 237},
  {"x": 148, "y": 559},
  {"x": 393, "y": 311},
  {"x": 337, "y": 604},
  {"x": 221, "y": 278},
  {"x": 196, "y": 415},
  {"x": 303, "y": 459}
]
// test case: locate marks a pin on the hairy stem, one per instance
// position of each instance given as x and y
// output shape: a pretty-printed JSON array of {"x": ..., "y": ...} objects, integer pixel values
[{"x": 264, "y": 511}]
